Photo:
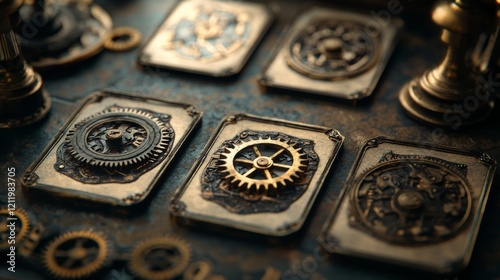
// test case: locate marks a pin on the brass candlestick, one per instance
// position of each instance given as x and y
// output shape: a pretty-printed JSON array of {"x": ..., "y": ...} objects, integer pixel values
[
  {"x": 450, "y": 94},
  {"x": 22, "y": 98}
]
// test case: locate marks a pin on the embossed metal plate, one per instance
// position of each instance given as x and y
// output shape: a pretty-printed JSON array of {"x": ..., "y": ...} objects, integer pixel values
[
  {"x": 258, "y": 174},
  {"x": 113, "y": 149},
  {"x": 332, "y": 52},
  {"x": 214, "y": 38},
  {"x": 411, "y": 204}
]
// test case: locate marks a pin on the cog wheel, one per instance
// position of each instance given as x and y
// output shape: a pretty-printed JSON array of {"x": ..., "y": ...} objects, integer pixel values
[
  {"x": 119, "y": 137},
  {"x": 332, "y": 50},
  {"x": 160, "y": 258},
  {"x": 22, "y": 225},
  {"x": 76, "y": 254},
  {"x": 262, "y": 164}
]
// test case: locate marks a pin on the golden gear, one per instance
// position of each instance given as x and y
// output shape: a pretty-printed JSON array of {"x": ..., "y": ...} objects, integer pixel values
[
  {"x": 76, "y": 254},
  {"x": 246, "y": 166},
  {"x": 123, "y": 39},
  {"x": 22, "y": 223},
  {"x": 31, "y": 241},
  {"x": 160, "y": 258}
]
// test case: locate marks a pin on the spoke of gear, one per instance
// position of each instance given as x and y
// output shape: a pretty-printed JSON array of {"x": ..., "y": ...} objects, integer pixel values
[
  {"x": 118, "y": 137},
  {"x": 76, "y": 254},
  {"x": 262, "y": 164},
  {"x": 22, "y": 224},
  {"x": 160, "y": 258}
]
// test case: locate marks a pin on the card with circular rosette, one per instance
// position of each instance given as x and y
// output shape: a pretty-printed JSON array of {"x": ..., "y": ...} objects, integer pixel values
[
  {"x": 332, "y": 52},
  {"x": 258, "y": 174},
  {"x": 214, "y": 38},
  {"x": 411, "y": 204},
  {"x": 113, "y": 149}
]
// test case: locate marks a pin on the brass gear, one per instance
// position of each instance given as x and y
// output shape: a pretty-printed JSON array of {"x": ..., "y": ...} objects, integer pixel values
[
  {"x": 247, "y": 167},
  {"x": 160, "y": 258},
  {"x": 140, "y": 136},
  {"x": 21, "y": 231},
  {"x": 76, "y": 254}
]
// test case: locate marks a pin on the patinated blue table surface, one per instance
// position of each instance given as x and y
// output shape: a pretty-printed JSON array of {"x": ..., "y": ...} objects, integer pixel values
[{"x": 239, "y": 256}]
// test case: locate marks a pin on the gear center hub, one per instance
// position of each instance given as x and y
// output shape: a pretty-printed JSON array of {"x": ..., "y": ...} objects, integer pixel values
[
  {"x": 78, "y": 253},
  {"x": 331, "y": 47},
  {"x": 262, "y": 162},
  {"x": 208, "y": 30},
  {"x": 410, "y": 200},
  {"x": 114, "y": 135}
]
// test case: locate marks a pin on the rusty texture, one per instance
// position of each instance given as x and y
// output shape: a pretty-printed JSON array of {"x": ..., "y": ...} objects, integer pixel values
[{"x": 233, "y": 254}]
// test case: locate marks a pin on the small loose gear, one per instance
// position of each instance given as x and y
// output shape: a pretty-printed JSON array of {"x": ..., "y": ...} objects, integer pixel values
[
  {"x": 262, "y": 164},
  {"x": 76, "y": 254},
  {"x": 332, "y": 50},
  {"x": 160, "y": 258},
  {"x": 123, "y": 38},
  {"x": 126, "y": 142},
  {"x": 209, "y": 33},
  {"x": 21, "y": 221},
  {"x": 412, "y": 199}
]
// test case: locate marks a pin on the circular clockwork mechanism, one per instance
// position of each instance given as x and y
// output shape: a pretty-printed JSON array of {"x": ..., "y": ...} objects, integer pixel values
[
  {"x": 209, "y": 33},
  {"x": 332, "y": 50},
  {"x": 262, "y": 164},
  {"x": 117, "y": 139},
  {"x": 76, "y": 254},
  {"x": 411, "y": 200},
  {"x": 160, "y": 258}
]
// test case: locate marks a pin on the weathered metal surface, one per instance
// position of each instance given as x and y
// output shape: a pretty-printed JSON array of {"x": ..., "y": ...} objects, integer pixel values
[{"x": 232, "y": 255}]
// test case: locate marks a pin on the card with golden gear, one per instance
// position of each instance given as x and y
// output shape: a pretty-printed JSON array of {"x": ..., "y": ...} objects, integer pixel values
[
  {"x": 113, "y": 149},
  {"x": 258, "y": 174},
  {"x": 332, "y": 52},
  {"x": 214, "y": 38},
  {"x": 412, "y": 205}
]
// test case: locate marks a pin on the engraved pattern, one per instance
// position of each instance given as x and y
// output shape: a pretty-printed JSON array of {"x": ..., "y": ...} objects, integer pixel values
[
  {"x": 410, "y": 199},
  {"x": 209, "y": 33},
  {"x": 332, "y": 50}
]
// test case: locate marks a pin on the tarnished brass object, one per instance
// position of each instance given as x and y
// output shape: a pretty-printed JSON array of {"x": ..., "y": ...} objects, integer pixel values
[
  {"x": 258, "y": 174},
  {"x": 77, "y": 254},
  {"x": 58, "y": 33},
  {"x": 413, "y": 205},
  {"x": 332, "y": 52},
  {"x": 113, "y": 149},
  {"x": 23, "y": 100},
  {"x": 214, "y": 38},
  {"x": 165, "y": 257},
  {"x": 451, "y": 94},
  {"x": 123, "y": 38}
]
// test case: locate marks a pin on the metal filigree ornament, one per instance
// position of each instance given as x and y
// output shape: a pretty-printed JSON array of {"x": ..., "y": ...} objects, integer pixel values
[
  {"x": 332, "y": 50},
  {"x": 260, "y": 171},
  {"x": 411, "y": 199},
  {"x": 208, "y": 34},
  {"x": 116, "y": 145}
]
